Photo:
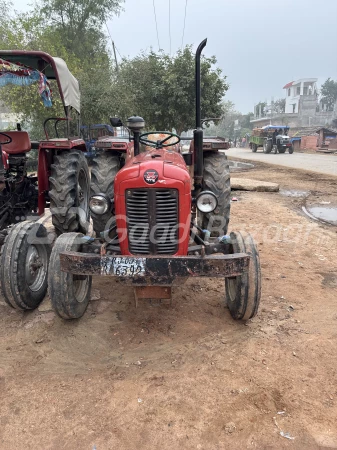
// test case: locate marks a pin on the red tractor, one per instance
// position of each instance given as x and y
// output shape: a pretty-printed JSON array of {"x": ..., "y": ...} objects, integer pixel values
[
  {"x": 160, "y": 216},
  {"x": 62, "y": 183}
]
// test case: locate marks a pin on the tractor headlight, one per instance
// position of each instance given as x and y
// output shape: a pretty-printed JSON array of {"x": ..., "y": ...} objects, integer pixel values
[
  {"x": 206, "y": 202},
  {"x": 99, "y": 204}
]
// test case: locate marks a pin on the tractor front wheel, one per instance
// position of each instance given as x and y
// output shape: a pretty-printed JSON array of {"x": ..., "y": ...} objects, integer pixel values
[
  {"x": 217, "y": 180},
  {"x": 104, "y": 169},
  {"x": 243, "y": 292},
  {"x": 69, "y": 192},
  {"x": 24, "y": 265},
  {"x": 69, "y": 294}
]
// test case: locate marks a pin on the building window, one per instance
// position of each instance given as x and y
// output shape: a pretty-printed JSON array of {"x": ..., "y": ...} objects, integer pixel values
[
  {"x": 305, "y": 90},
  {"x": 298, "y": 90},
  {"x": 289, "y": 92},
  {"x": 294, "y": 108}
]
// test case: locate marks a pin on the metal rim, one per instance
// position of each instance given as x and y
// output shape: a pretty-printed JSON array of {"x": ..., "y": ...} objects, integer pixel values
[
  {"x": 36, "y": 267},
  {"x": 80, "y": 287},
  {"x": 232, "y": 287}
]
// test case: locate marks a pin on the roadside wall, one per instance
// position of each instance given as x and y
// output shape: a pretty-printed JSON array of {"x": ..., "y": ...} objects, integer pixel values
[{"x": 309, "y": 142}]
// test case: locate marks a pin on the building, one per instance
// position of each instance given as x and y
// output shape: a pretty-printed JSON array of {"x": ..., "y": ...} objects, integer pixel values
[
  {"x": 304, "y": 138},
  {"x": 314, "y": 138},
  {"x": 327, "y": 139},
  {"x": 300, "y": 93},
  {"x": 302, "y": 108}
]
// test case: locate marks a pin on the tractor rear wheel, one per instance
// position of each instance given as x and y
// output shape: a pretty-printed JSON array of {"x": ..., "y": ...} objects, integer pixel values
[
  {"x": 69, "y": 192},
  {"x": 217, "y": 180},
  {"x": 24, "y": 265},
  {"x": 104, "y": 169},
  {"x": 69, "y": 294},
  {"x": 243, "y": 292}
]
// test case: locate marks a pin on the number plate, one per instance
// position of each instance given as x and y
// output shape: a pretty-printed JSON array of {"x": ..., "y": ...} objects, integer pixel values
[{"x": 123, "y": 266}]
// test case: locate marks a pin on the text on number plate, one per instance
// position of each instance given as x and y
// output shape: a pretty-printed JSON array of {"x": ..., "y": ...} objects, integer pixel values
[{"x": 123, "y": 266}]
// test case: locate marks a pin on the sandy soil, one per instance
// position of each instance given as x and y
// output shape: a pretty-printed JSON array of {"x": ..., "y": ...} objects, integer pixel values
[{"x": 187, "y": 376}]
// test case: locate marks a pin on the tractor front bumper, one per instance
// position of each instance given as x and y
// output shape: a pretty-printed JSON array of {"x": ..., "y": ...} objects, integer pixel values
[{"x": 155, "y": 270}]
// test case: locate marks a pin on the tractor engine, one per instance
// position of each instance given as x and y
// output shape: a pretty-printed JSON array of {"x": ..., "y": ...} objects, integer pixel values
[
  {"x": 18, "y": 192},
  {"x": 283, "y": 140},
  {"x": 153, "y": 204}
]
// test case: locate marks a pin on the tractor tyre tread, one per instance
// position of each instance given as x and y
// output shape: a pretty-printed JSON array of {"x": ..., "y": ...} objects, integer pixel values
[
  {"x": 217, "y": 180},
  {"x": 61, "y": 286},
  {"x": 104, "y": 169},
  {"x": 63, "y": 192},
  {"x": 245, "y": 305},
  {"x": 12, "y": 276}
]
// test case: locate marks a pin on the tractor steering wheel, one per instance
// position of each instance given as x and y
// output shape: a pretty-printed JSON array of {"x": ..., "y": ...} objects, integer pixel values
[
  {"x": 160, "y": 143},
  {"x": 9, "y": 139}
]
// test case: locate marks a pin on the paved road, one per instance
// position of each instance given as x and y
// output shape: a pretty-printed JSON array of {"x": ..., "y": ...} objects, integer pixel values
[{"x": 321, "y": 163}]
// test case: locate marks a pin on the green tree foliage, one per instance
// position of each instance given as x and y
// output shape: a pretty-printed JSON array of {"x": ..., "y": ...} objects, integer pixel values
[
  {"x": 50, "y": 29},
  {"x": 154, "y": 85},
  {"x": 245, "y": 121},
  {"x": 329, "y": 93},
  {"x": 280, "y": 106},
  {"x": 226, "y": 127},
  {"x": 261, "y": 105},
  {"x": 79, "y": 23},
  {"x": 161, "y": 89}
]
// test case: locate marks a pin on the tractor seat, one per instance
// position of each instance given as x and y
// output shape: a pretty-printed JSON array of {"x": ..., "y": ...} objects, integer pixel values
[{"x": 20, "y": 142}]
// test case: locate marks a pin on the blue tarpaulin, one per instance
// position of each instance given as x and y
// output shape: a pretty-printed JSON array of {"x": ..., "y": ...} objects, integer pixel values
[
  {"x": 275, "y": 127},
  {"x": 22, "y": 76}
]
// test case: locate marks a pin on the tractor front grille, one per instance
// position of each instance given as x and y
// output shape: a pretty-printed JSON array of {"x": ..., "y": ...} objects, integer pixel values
[{"x": 152, "y": 221}]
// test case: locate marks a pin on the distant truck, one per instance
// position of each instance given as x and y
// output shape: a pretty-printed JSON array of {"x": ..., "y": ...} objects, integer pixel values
[{"x": 272, "y": 138}]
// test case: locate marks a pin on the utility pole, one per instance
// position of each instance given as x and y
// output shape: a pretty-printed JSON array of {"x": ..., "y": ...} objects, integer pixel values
[{"x": 114, "y": 48}]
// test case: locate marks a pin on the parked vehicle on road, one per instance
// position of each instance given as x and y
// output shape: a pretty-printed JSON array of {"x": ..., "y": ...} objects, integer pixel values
[
  {"x": 160, "y": 216},
  {"x": 272, "y": 138}
]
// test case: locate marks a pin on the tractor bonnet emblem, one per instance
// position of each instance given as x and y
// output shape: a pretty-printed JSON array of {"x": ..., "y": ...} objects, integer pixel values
[{"x": 151, "y": 176}]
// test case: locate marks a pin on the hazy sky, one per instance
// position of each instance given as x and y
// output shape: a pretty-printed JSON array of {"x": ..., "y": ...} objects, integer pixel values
[{"x": 260, "y": 44}]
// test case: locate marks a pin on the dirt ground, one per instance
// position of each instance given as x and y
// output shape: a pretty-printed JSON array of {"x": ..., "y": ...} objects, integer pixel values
[{"x": 187, "y": 376}]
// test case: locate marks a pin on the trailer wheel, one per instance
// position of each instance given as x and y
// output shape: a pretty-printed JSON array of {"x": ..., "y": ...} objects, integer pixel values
[
  {"x": 69, "y": 192},
  {"x": 217, "y": 180},
  {"x": 24, "y": 265},
  {"x": 243, "y": 292},
  {"x": 291, "y": 150},
  {"x": 104, "y": 169},
  {"x": 254, "y": 147},
  {"x": 69, "y": 293}
]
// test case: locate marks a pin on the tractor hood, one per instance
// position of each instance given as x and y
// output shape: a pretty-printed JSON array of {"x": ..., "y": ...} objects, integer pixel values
[
  {"x": 154, "y": 168},
  {"x": 283, "y": 136}
]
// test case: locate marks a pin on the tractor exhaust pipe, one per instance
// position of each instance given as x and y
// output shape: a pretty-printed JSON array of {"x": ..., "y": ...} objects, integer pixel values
[{"x": 198, "y": 133}]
